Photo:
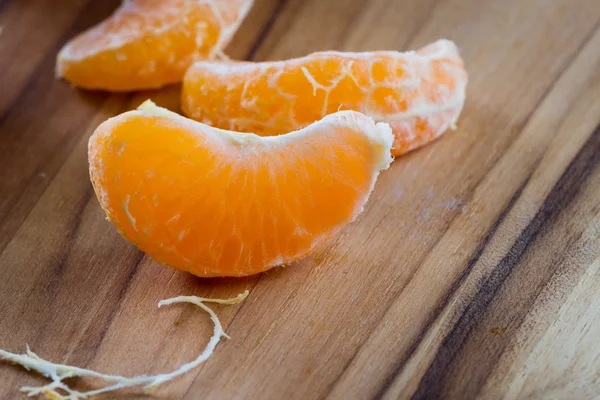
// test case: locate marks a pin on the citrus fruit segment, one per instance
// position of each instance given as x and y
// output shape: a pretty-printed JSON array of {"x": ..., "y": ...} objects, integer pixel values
[
  {"x": 221, "y": 203},
  {"x": 149, "y": 43},
  {"x": 420, "y": 94}
]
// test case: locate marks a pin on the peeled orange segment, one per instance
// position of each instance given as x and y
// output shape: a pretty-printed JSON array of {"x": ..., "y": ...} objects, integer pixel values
[
  {"x": 221, "y": 203},
  {"x": 149, "y": 43},
  {"x": 420, "y": 94}
]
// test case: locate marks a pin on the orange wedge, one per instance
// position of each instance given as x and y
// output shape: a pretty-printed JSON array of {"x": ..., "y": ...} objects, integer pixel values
[
  {"x": 420, "y": 94},
  {"x": 149, "y": 43},
  {"x": 221, "y": 203}
]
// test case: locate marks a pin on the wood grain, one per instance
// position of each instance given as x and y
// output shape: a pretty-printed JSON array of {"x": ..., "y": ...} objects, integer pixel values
[{"x": 473, "y": 272}]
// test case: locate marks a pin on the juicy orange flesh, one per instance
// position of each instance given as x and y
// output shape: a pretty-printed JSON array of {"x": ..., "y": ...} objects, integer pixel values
[
  {"x": 420, "y": 95},
  {"x": 215, "y": 207},
  {"x": 149, "y": 43}
]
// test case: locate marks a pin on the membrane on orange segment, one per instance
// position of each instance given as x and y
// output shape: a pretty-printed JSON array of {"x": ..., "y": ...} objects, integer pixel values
[
  {"x": 222, "y": 203},
  {"x": 149, "y": 43},
  {"x": 420, "y": 94}
]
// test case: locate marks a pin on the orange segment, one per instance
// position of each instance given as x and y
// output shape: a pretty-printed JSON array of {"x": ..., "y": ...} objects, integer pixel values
[
  {"x": 221, "y": 203},
  {"x": 149, "y": 43},
  {"x": 420, "y": 94}
]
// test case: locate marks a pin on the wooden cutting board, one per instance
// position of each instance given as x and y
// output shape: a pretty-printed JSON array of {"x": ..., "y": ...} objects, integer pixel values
[{"x": 474, "y": 271}]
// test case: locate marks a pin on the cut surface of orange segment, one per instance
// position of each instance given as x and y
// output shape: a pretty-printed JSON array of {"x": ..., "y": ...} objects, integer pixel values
[
  {"x": 221, "y": 203},
  {"x": 149, "y": 43},
  {"x": 420, "y": 94}
]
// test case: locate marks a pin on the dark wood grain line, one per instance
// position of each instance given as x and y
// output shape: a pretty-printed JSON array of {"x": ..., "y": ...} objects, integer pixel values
[
  {"x": 421, "y": 335},
  {"x": 48, "y": 285},
  {"x": 457, "y": 283},
  {"x": 3, "y": 5},
  {"x": 554, "y": 268},
  {"x": 265, "y": 31},
  {"x": 476, "y": 255},
  {"x": 331, "y": 387},
  {"x": 453, "y": 289},
  {"x": 562, "y": 194},
  {"x": 39, "y": 82},
  {"x": 521, "y": 126},
  {"x": 491, "y": 232},
  {"x": 125, "y": 286},
  {"x": 21, "y": 198},
  {"x": 62, "y": 259},
  {"x": 89, "y": 15}
]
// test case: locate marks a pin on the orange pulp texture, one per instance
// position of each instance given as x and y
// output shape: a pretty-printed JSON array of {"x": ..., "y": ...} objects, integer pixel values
[
  {"x": 149, "y": 43},
  {"x": 420, "y": 94},
  {"x": 220, "y": 203}
]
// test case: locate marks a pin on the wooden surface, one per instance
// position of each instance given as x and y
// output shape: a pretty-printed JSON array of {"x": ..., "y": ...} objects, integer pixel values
[{"x": 474, "y": 271}]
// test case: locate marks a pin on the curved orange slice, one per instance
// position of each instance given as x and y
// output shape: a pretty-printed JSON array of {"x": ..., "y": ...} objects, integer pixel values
[
  {"x": 149, "y": 43},
  {"x": 220, "y": 203},
  {"x": 420, "y": 94}
]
